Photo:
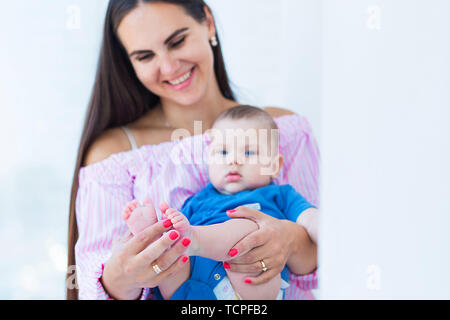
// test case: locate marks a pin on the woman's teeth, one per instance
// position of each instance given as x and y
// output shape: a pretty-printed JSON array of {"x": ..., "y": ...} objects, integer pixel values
[{"x": 181, "y": 79}]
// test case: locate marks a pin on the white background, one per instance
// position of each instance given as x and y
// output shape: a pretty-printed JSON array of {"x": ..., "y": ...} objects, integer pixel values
[
  {"x": 378, "y": 72},
  {"x": 386, "y": 149}
]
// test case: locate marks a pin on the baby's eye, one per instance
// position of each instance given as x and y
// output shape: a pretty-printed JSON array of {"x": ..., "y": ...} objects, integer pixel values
[{"x": 223, "y": 152}]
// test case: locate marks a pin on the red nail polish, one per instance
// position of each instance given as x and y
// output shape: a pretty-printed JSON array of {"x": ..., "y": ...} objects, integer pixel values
[
  {"x": 167, "y": 224},
  {"x": 247, "y": 280},
  {"x": 231, "y": 211},
  {"x": 226, "y": 265},
  {"x": 186, "y": 242},
  {"x": 184, "y": 259},
  {"x": 232, "y": 252},
  {"x": 173, "y": 235}
]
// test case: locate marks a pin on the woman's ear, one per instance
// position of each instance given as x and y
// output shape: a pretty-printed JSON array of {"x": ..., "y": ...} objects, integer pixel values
[{"x": 210, "y": 22}]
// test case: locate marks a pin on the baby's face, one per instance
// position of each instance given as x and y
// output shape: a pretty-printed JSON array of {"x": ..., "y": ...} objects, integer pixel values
[{"x": 241, "y": 156}]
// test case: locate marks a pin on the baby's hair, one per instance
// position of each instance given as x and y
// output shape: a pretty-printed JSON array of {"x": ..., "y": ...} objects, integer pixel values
[
  {"x": 263, "y": 118},
  {"x": 248, "y": 112}
]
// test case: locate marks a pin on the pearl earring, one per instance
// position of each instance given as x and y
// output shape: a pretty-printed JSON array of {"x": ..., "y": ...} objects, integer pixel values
[{"x": 214, "y": 42}]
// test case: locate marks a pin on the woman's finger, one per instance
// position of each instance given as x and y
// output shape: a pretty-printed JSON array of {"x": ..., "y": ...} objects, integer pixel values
[
  {"x": 155, "y": 249},
  {"x": 254, "y": 267},
  {"x": 244, "y": 212},
  {"x": 173, "y": 269},
  {"x": 122, "y": 239},
  {"x": 140, "y": 241},
  {"x": 165, "y": 260},
  {"x": 253, "y": 240},
  {"x": 252, "y": 256},
  {"x": 176, "y": 266},
  {"x": 263, "y": 277}
]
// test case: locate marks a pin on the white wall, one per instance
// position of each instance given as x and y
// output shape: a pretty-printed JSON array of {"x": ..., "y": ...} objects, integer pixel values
[
  {"x": 386, "y": 149},
  {"x": 272, "y": 50},
  {"x": 47, "y": 63}
]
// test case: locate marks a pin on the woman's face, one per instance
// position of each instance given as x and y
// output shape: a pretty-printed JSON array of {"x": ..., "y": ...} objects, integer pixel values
[{"x": 170, "y": 51}]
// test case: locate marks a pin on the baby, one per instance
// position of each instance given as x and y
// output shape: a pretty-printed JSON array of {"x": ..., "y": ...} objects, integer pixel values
[{"x": 242, "y": 162}]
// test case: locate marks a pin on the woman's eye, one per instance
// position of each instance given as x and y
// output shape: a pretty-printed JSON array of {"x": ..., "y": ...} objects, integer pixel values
[
  {"x": 147, "y": 56},
  {"x": 178, "y": 43},
  {"x": 250, "y": 153}
]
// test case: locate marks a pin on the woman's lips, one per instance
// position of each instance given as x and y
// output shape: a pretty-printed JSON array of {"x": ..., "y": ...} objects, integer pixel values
[
  {"x": 233, "y": 177},
  {"x": 184, "y": 84}
]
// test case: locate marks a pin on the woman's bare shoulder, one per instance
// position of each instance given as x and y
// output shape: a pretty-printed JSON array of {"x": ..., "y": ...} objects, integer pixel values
[
  {"x": 110, "y": 142},
  {"x": 278, "y": 112}
]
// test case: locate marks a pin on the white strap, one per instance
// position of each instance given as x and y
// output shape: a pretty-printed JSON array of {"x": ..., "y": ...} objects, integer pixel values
[{"x": 130, "y": 136}]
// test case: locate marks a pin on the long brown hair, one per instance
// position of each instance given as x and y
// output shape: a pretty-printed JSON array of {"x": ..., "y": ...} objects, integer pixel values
[{"x": 118, "y": 97}]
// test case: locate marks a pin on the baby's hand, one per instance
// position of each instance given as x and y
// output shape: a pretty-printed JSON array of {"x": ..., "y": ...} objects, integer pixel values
[{"x": 179, "y": 221}]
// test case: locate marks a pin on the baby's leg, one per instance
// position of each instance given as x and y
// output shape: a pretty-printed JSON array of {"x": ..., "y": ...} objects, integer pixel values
[
  {"x": 215, "y": 241},
  {"x": 139, "y": 217},
  {"x": 212, "y": 241}
]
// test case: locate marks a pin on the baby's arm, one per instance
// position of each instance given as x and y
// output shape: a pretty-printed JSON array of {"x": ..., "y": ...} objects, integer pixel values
[{"x": 309, "y": 220}]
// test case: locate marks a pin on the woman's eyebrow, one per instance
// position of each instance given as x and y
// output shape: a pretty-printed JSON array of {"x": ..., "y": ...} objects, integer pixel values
[
  {"x": 173, "y": 35},
  {"x": 176, "y": 33}
]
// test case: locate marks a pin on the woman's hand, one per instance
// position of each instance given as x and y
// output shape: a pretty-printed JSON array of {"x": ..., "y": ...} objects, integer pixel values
[
  {"x": 130, "y": 267},
  {"x": 276, "y": 243}
]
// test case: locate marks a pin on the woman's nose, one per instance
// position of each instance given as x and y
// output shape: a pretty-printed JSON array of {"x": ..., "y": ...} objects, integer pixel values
[{"x": 168, "y": 65}]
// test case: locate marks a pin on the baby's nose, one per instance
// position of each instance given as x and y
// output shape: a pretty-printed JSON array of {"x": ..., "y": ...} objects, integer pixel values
[{"x": 235, "y": 158}]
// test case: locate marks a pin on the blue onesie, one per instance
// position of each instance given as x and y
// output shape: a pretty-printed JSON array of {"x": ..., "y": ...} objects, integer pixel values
[{"x": 209, "y": 206}]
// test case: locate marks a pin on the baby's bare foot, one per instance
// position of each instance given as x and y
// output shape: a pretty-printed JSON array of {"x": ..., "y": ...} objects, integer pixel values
[
  {"x": 139, "y": 217},
  {"x": 179, "y": 221}
]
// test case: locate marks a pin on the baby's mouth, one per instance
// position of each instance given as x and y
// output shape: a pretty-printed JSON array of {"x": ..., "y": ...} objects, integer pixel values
[{"x": 233, "y": 176}]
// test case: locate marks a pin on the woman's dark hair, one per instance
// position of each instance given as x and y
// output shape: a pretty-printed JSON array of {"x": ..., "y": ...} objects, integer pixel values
[{"x": 118, "y": 97}]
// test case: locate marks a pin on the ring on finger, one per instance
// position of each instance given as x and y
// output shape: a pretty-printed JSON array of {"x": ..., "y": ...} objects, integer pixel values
[
  {"x": 157, "y": 269},
  {"x": 263, "y": 265}
]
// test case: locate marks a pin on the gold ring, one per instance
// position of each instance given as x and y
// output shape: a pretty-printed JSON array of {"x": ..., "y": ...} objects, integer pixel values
[
  {"x": 264, "y": 268},
  {"x": 157, "y": 269}
]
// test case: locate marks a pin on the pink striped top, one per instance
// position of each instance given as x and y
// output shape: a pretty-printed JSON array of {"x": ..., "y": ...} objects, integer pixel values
[{"x": 156, "y": 171}]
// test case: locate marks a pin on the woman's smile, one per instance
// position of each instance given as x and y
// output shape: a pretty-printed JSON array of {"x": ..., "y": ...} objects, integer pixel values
[{"x": 183, "y": 81}]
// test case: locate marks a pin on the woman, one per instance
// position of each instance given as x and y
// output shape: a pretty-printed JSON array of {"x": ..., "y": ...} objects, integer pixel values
[{"x": 161, "y": 68}]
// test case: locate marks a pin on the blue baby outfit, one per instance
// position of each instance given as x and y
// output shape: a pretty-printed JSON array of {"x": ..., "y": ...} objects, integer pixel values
[{"x": 209, "y": 206}]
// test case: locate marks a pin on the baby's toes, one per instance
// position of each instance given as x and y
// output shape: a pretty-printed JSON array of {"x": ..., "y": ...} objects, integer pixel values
[
  {"x": 171, "y": 212},
  {"x": 126, "y": 213},
  {"x": 147, "y": 202},
  {"x": 182, "y": 226},
  {"x": 163, "y": 206},
  {"x": 132, "y": 205},
  {"x": 176, "y": 219},
  {"x": 129, "y": 209}
]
